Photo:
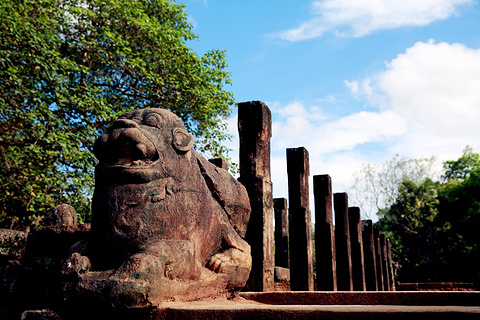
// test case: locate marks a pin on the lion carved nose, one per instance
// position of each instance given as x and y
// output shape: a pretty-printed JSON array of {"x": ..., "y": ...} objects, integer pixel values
[
  {"x": 124, "y": 142},
  {"x": 124, "y": 123}
]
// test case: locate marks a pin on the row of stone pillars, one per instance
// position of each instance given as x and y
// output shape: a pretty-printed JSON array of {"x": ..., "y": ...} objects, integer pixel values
[{"x": 352, "y": 256}]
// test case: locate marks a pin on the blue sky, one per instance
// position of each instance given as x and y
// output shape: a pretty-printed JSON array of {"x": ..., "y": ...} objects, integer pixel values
[{"x": 352, "y": 81}]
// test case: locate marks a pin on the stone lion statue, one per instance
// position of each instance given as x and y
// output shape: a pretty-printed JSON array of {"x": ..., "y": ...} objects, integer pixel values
[{"x": 167, "y": 225}]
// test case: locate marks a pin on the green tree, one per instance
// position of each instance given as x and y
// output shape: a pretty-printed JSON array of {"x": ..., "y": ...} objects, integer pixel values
[
  {"x": 460, "y": 206},
  {"x": 411, "y": 224},
  {"x": 434, "y": 226},
  {"x": 69, "y": 67},
  {"x": 461, "y": 169},
  {"x": 376, "y": 186}
]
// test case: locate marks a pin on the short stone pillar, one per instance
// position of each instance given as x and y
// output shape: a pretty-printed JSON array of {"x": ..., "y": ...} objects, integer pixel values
[
  {"x": 324, "y": 234},
  {"x": 369, "y": 256},
  {"x": 61, "y": 215},
  {"x": 280, "y": 208},
  {"x": 358, "y": 270},
  {"x": 342, "y": 243},
  {"x": 300, "y": 224},
  {"x": 378, "y": 259},
  {"x": 391, "y": 273},
  {"x": 386, "y": 276},
  {"x": 255, "y": 131}
]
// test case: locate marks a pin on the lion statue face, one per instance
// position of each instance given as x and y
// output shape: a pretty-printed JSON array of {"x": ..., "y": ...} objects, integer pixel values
[{"x": 142, "y": 146}]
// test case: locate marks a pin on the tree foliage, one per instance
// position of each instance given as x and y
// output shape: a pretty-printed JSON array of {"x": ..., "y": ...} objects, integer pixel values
[
  {"x": 377, "y": 186},
  {"x": 434, "y": 226},
  {"x": 69, "y": 67}
]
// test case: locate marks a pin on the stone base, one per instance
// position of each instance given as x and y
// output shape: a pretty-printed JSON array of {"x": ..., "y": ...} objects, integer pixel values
[
  {"x": 306, "y": 305},
  {"x": 387, "y": 298},
  {"x": 332, "y": 305},
  {"x": 248, "y": 311}
]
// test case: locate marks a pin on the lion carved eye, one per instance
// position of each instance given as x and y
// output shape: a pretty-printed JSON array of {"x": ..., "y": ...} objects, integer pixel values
[{"x": 152, "y": 120}]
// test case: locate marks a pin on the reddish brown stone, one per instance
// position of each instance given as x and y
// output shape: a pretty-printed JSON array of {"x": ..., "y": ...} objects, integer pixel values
[
  {"x": 255, "y": 131},
  {"x": 385, "y": 269},
  {"x": 358, "y": 269},
  {"x": 300, "y": 221},
  {"x": 63, "y": 214},
  {"x": 167, "y": 224},
  {"x": 12, "y": 244},
  {"x": 391, "y": 276},
  {"x": 324, "y": 234},
  {"x": 281, "y": 232},
  {"x": 369, "y": 256},
  {"x": 378, "y": 259},
  {"x": 342, "y": 243}
]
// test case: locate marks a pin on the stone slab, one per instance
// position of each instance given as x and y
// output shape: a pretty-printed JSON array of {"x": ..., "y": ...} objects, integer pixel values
[
  {"x": 407, "y": 298},
  {"x": 307, "y": 305},
  {"x": 252, "y": 311}
]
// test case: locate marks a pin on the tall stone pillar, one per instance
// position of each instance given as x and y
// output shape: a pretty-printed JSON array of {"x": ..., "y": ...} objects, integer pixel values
[
  {"x": 255, "y": 131},
  {"x": 386, "y": 276},
  {"x": 300, "y": 224},
  {"x": 324, "y": 234},
  {"x": 281, "y": 232},
  {"x": 342, "y": 242},
  {"x": 378, "y": 259},
  {"x": 358, "y": 270},
  {"x": 390, "y": 266},
  {"x": 369, "y": 256}
]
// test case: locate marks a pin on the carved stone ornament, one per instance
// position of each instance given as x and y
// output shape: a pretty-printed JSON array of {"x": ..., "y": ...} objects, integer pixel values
[{"x": 167, "y": 224}]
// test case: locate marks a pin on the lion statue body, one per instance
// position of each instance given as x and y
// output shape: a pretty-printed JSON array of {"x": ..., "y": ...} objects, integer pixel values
[{"x": 167, "y": 225}]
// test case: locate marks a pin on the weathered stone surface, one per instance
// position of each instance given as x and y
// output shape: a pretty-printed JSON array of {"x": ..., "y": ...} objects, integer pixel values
[
  {"x": 54, "y": 242},
  {"x": 44, "y": 314},
  {"x": 342, "y": 243},
  {"x": 281, "y": 232},
  {"x": 255, "y": 131},
  {"x": 369, "y": 256},
  {"x": 358, "y": 269},
  {"x": 386, "y": 275},
  {"x": 282, "y": 274},
  {"x": 391, "y": 273},
  {"x": 33, "y": 282},
  {"x": 378, "y": 259},
  {"x": 61, "y": 215},
  {"x": 12, "y": 244},
  {"x": 300, "y": 221},
  {"x": 324, "y": 234},
  {"x": 167, "y": 224},
  {"x": 367, "y": 298}
]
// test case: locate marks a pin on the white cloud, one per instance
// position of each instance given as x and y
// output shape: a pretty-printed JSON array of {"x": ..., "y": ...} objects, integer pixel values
[
  {"x": 359, "y": 18},
  {"x": 297, "y": 125},
  {"x": 435, "y": 88}
]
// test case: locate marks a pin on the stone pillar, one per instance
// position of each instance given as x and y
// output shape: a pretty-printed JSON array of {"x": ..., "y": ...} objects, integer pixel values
[
  {"x": 300, "y": 224},
  {"x": 356, "y": 243},
  {"x": 369, "y": 256},
  {"x": 378, "y": 259},
  {"x": 281, "y": 232},
  {"x": 255, "y": 131},
  {"x": 220, "y": 162},
  {"x": 324, "y": 234},
  {"x": 390, "y": 266},
  {"x": 342, "y": 243},
  {"x": 386, "y": 276}
]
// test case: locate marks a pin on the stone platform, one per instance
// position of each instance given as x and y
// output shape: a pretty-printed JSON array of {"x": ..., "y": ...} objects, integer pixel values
[
  {"x": 313, "y": 305},
  {"x": 334, "y": 305}
]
